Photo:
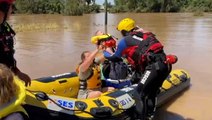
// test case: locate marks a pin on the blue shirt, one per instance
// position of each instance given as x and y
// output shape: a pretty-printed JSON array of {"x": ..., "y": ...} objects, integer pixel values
[{"x": 118, "y": 53}]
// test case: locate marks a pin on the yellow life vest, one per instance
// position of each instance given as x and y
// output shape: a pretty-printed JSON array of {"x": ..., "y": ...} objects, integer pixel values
[
  {"x": 93, "y": 81},
  {"x": 15, "y": 105}
]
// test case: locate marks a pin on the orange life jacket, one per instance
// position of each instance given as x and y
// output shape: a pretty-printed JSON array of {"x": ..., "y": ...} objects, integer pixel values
[{"x": 93, "y": 81}]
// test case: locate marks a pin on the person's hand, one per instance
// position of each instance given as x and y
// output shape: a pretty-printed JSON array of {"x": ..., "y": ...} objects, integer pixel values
[
  {"x": 139, "y": 29},
  {"x": 24, "y": 77},
  {"x": 100, "y": 47}
]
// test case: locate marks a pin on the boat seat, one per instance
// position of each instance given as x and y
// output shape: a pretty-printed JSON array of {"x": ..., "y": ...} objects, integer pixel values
[{"x": 118, "y": 83}]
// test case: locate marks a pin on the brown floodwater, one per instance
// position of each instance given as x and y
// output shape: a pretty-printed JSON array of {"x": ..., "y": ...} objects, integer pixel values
[{"x": 51, "y": 44}]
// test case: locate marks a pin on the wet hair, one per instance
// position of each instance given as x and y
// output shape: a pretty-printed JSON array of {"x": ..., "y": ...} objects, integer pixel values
[
  {"x": 8, "y": 87},
  {"x": 82, "y": 59},
  {"x": 83, "y": 56}
]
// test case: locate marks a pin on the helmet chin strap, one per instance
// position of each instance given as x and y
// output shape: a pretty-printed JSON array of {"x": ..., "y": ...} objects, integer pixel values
[{"x": 125, "y": 33}]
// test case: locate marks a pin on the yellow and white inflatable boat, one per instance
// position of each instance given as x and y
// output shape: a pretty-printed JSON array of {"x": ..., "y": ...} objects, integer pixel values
[{"x": 54, "y": 97}]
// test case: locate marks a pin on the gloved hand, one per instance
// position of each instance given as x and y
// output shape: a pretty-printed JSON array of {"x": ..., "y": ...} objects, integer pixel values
[{"x": 171, "y": 59}]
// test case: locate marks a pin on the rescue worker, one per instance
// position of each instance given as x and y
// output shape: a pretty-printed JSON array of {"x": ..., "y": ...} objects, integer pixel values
[
  {"x": 7, "y": 41},
  {"x": 146, "y": 55},
  {"x": 89, "y": 75}
]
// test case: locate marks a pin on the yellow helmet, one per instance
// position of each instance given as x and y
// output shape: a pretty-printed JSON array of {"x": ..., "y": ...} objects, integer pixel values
[
  {"x": 96, "y": 39},
  {"x": 126, "y": 24}
]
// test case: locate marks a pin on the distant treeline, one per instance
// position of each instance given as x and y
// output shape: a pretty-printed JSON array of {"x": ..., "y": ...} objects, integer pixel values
[
  {"x": 162, "y": 6},
  {"x": 78, "y": 7},
  {"x": 66, "y": 7}
]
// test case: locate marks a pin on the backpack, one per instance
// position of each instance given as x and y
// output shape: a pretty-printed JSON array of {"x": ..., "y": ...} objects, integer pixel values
[{"x": 115, "y": 70}]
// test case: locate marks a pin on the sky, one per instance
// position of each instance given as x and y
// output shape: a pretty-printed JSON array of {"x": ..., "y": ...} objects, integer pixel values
[{"x": 100, "y": 2}]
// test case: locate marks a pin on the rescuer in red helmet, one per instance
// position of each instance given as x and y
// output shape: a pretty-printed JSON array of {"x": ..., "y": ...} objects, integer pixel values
[{"x": 7, "y": 41}]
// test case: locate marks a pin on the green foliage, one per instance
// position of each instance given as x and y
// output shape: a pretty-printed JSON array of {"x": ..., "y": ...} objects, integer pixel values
[
  {"x": 91, "y": 8},
  {"x": 201, "y": 5},
  {"x": 119, "y": 9},
  {"x": 78, "y": 7},
  {"x": 109, "y": 5},
  {"x": 39, "y": 6},
  {"x": 73, "y": 7},
  {"x": 66, "y": 7},
  {"x": 162, "y": 5},
  {"x": 23, "y": 6}
]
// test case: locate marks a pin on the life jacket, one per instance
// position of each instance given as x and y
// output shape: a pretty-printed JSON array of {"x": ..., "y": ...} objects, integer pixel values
[
  {"x": 7, "y": 45},
  {"x": 15, "y": 104},
  {"x": 93, "y": 81},
  {"x": 141, "y": 48}
]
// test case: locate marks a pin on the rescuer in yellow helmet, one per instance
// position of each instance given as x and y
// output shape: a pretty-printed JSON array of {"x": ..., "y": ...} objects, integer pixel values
[{"x": 146, "y": 55}]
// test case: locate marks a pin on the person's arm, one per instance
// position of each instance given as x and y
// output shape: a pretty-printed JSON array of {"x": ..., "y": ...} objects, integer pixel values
[
  {"x": 111, "y": 57},
  {"x": 118, "y": 53},
  {"x": 109, "y": 50},
  {"x": 22, "y": 76},
  {"x": 99, "y": 59},
  {"x": 88, "y": 61}
]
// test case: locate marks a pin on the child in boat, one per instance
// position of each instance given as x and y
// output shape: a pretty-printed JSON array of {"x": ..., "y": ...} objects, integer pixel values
[
  {"x": 8, "y": 91},
  {"x": 111, "y": 71},
  {"x": 110, "y": 41}
]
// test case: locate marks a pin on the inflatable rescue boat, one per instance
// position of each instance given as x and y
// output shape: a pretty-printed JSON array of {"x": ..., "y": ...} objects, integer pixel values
[{"x": 54, "y": 98}]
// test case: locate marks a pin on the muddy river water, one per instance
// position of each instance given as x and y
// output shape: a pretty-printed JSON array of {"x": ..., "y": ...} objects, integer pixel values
[{"x": 51, "y": 44}]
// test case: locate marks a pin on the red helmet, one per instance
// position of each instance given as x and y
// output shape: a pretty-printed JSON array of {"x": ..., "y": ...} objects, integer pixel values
[{"x": 7, "y": 1}]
